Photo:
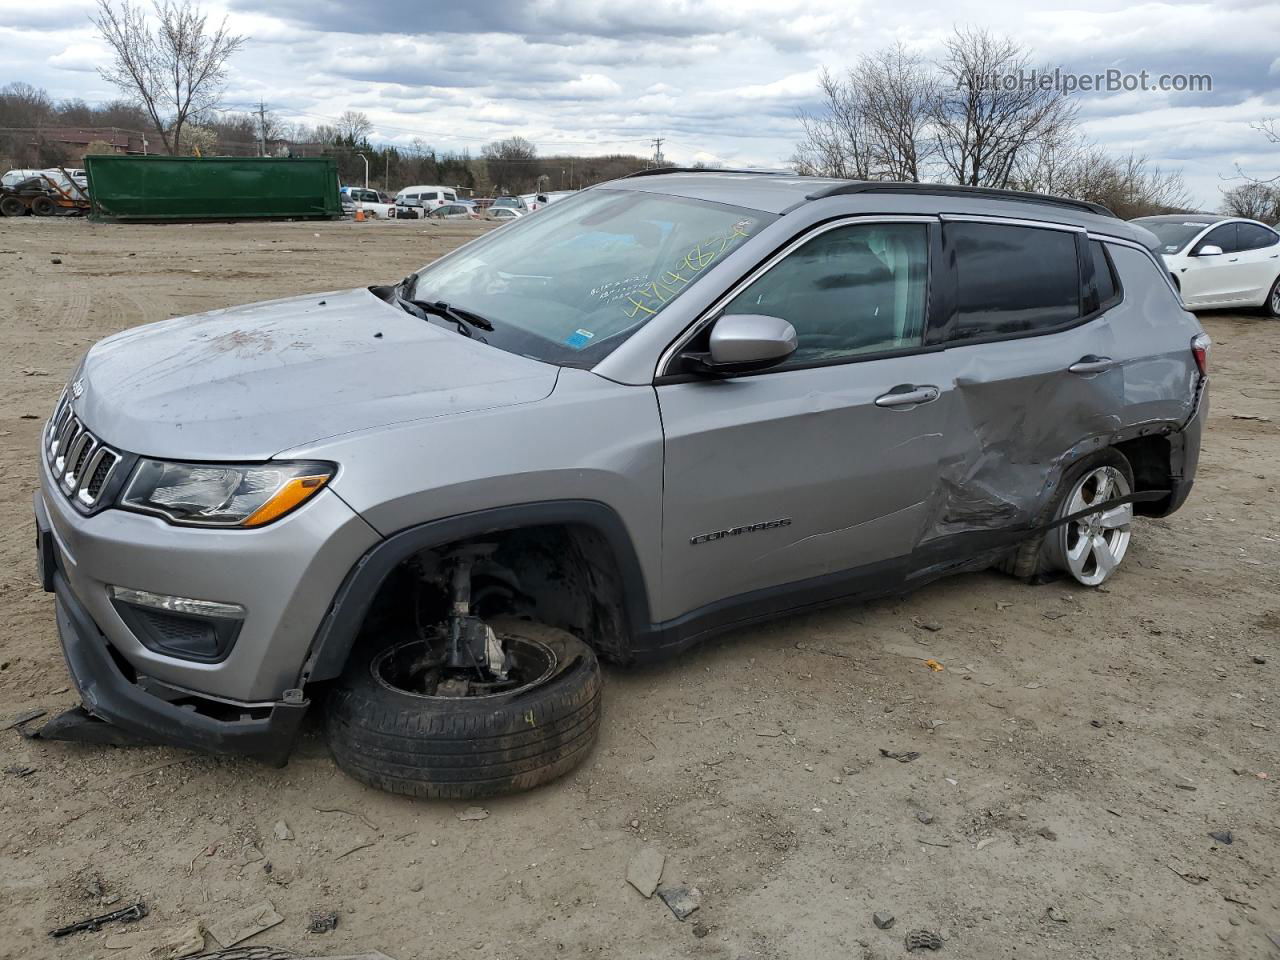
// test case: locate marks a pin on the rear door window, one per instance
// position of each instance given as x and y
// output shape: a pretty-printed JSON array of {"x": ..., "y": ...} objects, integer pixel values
[
  {"x": 1012, "y": 280},
  {"x": 1251, "y": 236}
]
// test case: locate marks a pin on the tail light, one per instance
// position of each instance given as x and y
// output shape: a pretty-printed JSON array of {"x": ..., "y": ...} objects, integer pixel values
[{"x": 1200, "y": 345}]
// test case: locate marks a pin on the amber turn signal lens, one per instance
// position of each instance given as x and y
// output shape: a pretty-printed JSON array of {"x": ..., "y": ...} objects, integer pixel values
[{"x": 294, "y": 493}]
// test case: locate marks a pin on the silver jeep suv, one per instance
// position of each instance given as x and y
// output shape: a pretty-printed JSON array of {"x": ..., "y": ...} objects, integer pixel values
[{"x": 666, "y": 406}]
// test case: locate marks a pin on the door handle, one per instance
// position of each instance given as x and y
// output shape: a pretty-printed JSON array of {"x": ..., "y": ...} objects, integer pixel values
[
  {"x": 1234, "y": 260},
  {"x": 1091, "y": 364},
  {"x": 907, "y": 395}
]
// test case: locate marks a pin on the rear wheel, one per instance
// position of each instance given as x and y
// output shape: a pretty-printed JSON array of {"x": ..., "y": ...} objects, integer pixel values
[
  {"x": 12, "y": 207},
  {"x": 1272, "y": 306},
  {"x": 1091, "y": 547},
  {"x": 43, "y": 206},
  {"x": 459, "y": 742}
]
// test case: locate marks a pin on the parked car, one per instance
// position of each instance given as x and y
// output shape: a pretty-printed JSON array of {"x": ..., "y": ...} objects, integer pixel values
[
  {"x": 417, "y": 202},
  {"x": 512, "y": 203},
  {"x": 455, "y": 211},
  {"x": 503, "y": 213},
  {"x": 370, "y": 201},
  {"x": 660, "y": 410},
  {"x": 1220, "y": 261}
]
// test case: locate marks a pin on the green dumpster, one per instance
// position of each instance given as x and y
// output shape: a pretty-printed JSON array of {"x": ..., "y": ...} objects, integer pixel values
[{"x": 212, "y": 188}]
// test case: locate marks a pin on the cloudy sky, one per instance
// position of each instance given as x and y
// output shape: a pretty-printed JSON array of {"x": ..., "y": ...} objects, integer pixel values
[{"x": 720, "y": 80}]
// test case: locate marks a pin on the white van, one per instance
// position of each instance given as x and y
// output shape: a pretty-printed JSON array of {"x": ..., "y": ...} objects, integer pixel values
[{"x": 420, "y": 200}]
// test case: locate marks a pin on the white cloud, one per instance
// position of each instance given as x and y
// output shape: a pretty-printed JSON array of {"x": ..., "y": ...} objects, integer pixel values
[{"x": 720, "y": 80}]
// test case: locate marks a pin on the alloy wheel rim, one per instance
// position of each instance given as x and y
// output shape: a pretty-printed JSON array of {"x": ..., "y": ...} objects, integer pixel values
[
  {"x": 1275, "y": 299},
  {"x": 1092, "y": 547}
]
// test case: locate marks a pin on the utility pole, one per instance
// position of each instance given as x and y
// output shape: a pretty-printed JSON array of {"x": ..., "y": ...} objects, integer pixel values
[
  {"x": 657, "y": 151},
  {"x": 262, "y": 129}
]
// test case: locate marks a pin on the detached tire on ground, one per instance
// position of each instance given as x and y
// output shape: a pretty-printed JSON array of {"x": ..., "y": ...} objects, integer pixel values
[{"x": 464, "y": 747}]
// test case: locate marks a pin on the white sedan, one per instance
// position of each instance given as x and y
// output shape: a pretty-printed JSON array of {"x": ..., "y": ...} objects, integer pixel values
[{"x": 1220, "y": 261}]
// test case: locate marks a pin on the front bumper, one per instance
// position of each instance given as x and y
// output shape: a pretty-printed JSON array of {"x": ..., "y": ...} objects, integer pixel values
[
  {"x": 113, "y": 691},
  {"x": 284, "y": 575}
]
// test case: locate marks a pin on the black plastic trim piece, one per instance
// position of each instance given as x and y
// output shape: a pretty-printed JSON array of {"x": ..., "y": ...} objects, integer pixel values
[
  {"x": 661, "y": 640},
  {"x": 141, "y": 621},
  {"x": 337, "y": 632},
  {"x": 109, "y": 695}
]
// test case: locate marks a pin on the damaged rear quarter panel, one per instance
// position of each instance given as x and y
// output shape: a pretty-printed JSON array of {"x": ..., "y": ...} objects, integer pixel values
[{"x": 1016, "y": 417}]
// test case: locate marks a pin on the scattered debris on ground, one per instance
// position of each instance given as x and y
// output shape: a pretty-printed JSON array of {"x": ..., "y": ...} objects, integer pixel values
[
  {"x": 126, "y": 915},
  {"x": 644, "y": 872},
  {"x": 883, "y": 919},
  {"x": 236, "y": 927},
  {"x": 682, "y": 900},
  {"x": 322, "y": 921},
  {"x": 923, "y": 940},
  {"x": 906, "y": 757}
]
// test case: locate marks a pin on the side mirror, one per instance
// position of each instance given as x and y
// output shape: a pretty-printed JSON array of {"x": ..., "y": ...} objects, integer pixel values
[
  {"x": 1209, "y": 250},
  {"x": 743, "y": 342}
]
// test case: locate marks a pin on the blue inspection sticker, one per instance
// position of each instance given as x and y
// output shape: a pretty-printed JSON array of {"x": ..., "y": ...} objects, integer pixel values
[{"x": 579, "y": 339}]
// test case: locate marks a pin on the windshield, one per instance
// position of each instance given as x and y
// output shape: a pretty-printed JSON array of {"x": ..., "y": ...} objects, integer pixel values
[
  {"x": 1174, "y": 234},
  {"x": 569, "y": 284}
]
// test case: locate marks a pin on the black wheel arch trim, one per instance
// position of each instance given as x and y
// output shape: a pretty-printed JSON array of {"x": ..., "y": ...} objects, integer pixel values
[{"x": 338, "y": 630}]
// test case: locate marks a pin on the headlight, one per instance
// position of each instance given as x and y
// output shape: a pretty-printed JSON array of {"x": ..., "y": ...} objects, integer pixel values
[{"x": 217, "y": 495}]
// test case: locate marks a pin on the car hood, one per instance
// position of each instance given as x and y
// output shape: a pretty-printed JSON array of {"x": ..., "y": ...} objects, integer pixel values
[{"x": 248, "y": 382}]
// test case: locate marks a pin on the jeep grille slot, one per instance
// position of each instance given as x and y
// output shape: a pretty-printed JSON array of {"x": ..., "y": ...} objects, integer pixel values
[{"x": 79, "y": 461}]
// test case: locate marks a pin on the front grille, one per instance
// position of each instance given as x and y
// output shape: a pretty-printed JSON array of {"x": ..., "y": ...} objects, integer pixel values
[{"x": 80, "y": 462}]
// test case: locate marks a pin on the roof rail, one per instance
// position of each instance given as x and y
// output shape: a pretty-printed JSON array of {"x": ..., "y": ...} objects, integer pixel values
[
  {"x": 655, "y": 171},
  {"x": 955, "y": 190}
]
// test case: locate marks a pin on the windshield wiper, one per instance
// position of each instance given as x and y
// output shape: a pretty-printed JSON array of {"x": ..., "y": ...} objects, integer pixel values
[{"x": 463, "y": 318}]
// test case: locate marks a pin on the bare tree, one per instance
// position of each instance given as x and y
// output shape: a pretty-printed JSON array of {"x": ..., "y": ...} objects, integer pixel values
[
  {"x": 837, "y": 142},
  {"x": 21, "y": 104},
  {"x": 510, "y": 163},
  {"x": 896, "y": 92},
  {"x": 1254, "y": 201},
  {"x": 985, "y": 119},
  {"x": 354, "y": 126},
  {"x": 1130, "y": 185},
  {"x": 175, "y": 69},
  {"x": 1269, "y": 127}
]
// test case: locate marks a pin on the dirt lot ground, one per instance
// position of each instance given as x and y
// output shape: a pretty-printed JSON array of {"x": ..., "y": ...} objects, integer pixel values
[{"x": 1076, "y": 751}]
